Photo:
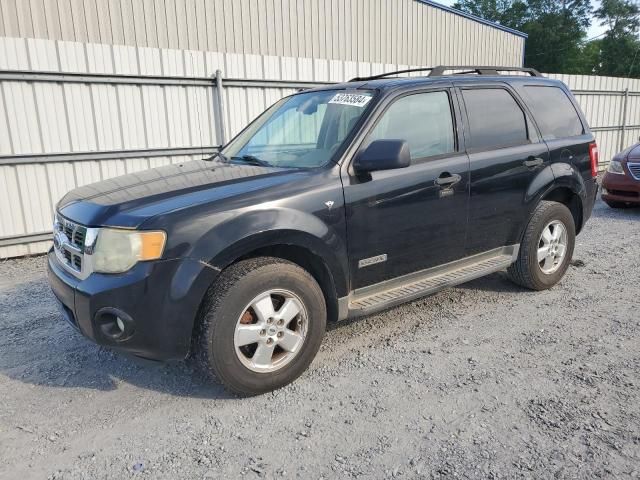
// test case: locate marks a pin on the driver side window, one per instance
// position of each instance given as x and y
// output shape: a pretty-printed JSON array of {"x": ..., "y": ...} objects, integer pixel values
[{"x": 424, "y": 120}]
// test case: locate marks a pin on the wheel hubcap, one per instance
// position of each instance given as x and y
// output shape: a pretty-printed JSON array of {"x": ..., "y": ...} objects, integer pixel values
[
  {"x": 552, "y": 247},
  {"x": 270, "y": 331}
]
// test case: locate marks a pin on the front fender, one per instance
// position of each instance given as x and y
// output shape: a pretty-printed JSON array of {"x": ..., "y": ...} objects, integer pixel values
[
  {"x": 236, "y": 234},
  {"x": 242, "y": 234}
]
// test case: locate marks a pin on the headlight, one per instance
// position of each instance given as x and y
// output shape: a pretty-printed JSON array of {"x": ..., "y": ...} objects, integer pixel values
[
  {"x": 615, "y": 167},
  {"x": 116, "y": 250}
]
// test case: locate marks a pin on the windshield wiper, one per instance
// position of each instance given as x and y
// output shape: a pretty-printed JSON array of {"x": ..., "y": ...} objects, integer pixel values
[
  {"x": 251, "y": 159},
  {"x": 216, "y": 155}
]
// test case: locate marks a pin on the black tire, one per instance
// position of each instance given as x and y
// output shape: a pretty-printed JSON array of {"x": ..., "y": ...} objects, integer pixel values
[
  {"x": 526, "y": 271},
  {"x": 614, "y": 204},
  {"x": 237, "y": 286}
]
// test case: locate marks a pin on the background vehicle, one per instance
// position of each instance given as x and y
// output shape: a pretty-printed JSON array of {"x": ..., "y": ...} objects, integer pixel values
[
  {"x": 336, "y": 202},
  {"x": 621, "y": 182}
]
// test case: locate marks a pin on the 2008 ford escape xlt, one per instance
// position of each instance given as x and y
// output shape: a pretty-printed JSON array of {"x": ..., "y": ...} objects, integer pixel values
[{"x": 336, "y": 202}]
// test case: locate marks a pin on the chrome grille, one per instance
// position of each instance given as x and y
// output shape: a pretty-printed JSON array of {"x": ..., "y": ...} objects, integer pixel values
[
  {"x": 75, "y": 233},
  {"x": 78, "y": 237},
  {"x": 634, "y": 168},
  {"x": 69, "y": 242}
]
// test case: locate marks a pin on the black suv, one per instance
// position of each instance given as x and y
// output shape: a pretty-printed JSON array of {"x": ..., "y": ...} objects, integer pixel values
[{"x": 336, "y": 202}]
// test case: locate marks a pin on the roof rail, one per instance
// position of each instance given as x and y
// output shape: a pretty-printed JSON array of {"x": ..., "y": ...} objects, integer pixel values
[
  {"x": 440, "y": 71},
  {"x": 382, "y": 75}
]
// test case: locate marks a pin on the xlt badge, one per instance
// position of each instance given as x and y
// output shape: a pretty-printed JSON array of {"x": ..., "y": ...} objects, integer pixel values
[{"x": 367, "y": 262}]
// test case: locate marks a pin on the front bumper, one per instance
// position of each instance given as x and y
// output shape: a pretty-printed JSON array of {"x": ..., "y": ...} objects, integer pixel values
[
  {"x": 159, "y": 300},
  {"x": 620, "y": 188}
]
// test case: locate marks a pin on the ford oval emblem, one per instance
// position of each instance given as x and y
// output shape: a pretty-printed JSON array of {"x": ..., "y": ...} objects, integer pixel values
[{"x": 58, "y": 240}]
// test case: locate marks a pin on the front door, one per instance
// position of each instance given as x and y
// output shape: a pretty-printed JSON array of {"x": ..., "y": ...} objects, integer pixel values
[{"x": 409, "y": 219}]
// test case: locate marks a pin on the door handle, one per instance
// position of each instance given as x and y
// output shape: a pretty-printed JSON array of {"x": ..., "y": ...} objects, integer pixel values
[
  {"x": 533, "y": 162},
  {"x": 446, "y": 180}
]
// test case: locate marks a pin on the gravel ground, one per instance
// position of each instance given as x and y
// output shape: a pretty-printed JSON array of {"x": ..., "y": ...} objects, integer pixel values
[{"x": 482, "y": 381}]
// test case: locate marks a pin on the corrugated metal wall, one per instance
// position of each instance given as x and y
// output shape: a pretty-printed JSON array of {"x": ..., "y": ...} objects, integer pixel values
[
  {"x": 384, "y": 31},
  {"x": 63, "y": 132},
  {"x": 76, "y": 117},
  {"x": 68, "y": 131},
  {"x": 156, "y": 105},
  {"x": 97, "y": 128}
]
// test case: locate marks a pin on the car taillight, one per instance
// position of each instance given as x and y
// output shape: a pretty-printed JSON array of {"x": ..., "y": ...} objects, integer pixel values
[{"x": 593, "y": 156}]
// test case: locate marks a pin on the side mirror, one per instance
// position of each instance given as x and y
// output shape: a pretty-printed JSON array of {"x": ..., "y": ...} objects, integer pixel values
[{"x": 383, "y": 155}]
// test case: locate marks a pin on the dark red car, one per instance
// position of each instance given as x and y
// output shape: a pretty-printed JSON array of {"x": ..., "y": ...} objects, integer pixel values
[{"x": 621, "y": 182}]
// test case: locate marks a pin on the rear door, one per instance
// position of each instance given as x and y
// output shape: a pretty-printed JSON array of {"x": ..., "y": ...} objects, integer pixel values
[
  {"x": 404, "y": 220},
  {"x": 505, "y": 154},
  {"x": 560, "y": 125}
]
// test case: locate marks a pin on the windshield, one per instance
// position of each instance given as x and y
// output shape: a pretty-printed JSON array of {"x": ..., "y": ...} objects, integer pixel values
[{"x": 301, "y": 131}]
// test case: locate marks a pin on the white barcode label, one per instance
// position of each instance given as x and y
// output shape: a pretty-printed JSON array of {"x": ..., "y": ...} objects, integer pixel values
[{"x": 353, "y": 99}]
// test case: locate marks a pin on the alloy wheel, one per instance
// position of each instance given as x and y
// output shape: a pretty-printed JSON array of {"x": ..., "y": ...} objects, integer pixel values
[
  {"x": 270, "y": 331},
  {"x": 552, "y": 247}
]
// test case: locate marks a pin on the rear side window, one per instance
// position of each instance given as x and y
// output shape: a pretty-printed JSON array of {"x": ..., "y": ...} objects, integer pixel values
[
  {"x": 495, "y": 119},
  {"x": 424, "y": 120},
  {"x": 554, "y": 112}
]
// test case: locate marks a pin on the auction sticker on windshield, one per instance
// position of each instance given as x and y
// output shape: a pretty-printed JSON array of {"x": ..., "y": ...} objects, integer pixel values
[{"x": 353, "y": 99}]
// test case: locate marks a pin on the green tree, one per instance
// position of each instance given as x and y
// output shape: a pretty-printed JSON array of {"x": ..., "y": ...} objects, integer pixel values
[
  {"x": 505, "y": 12},
  {"x": 556, "y": 28},
  {"x": 590, "y": 58},
  {"x": 557, "y": 32},
  {"x": 620, "y": 16},
  {"x": 620, "y": 47}
]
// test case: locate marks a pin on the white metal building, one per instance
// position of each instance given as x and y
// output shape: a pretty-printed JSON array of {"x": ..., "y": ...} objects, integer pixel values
[
  {"x": 416, "y": 32},
  {"x": 91, "y": 89}
]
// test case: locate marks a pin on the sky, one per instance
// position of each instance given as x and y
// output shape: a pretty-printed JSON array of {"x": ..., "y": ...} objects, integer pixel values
[{"x": 594, "y": 31}]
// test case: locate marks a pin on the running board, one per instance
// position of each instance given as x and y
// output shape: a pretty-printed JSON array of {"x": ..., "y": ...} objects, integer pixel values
[{"x": 391, "y": 293}]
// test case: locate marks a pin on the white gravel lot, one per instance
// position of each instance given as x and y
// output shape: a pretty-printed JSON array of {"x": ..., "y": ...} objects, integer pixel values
[{"x": 482, "y": 381}]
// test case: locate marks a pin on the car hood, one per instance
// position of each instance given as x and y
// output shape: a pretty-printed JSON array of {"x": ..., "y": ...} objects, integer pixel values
[
  {"x": 129, "y": 200},
  {"x": 634, "y": 152}
]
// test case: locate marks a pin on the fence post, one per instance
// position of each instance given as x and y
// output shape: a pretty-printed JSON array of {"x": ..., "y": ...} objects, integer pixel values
[
  {"x": 625, "y": 105},
  {"x": 218, "y": 109}
]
